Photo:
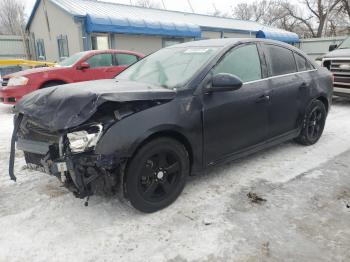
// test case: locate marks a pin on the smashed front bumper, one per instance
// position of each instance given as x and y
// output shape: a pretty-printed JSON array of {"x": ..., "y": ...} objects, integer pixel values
[{"x": 83, "y": 173}]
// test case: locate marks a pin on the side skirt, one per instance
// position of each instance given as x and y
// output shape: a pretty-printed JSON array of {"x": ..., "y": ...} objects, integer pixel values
[{"x": 258, "y": 147}]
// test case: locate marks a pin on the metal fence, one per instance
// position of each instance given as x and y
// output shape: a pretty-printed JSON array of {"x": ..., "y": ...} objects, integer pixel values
[
  {"x": 316, "y": 47},
  {"x": 11, "y": 47}
]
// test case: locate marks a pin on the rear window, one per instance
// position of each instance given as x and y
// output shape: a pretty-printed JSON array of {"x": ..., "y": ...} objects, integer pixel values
[
  {"x": 301, "y": 62},
  {"x": 281, "y": 60}
]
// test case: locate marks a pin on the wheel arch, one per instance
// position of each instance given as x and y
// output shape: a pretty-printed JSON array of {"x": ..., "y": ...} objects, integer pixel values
[
  {"x": 324, "y": 100},
  {"x": 174, "y": 134},
  {"x": 60, "y": 81}
]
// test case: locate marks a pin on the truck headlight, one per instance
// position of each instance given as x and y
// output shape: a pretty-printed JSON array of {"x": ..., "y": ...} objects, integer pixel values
[
  {"x": 17, "y": 81},
  {"x": 83, "y": 140}
]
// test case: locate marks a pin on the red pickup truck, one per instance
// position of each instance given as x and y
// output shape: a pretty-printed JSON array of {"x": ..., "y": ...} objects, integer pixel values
[{"x": 83, "y": 66}]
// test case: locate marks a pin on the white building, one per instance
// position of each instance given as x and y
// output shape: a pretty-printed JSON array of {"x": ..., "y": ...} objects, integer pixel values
[{"x": 59, "y": 28}]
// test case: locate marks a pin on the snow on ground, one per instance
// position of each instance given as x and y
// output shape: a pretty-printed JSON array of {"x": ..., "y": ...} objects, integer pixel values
[{"x": 304, "y": 218}]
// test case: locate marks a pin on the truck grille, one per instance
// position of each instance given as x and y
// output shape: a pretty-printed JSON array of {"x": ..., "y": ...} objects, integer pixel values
[{"x": 341, "y": 72}]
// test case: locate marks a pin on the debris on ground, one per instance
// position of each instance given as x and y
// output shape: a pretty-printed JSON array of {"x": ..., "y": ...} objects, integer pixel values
[{"x": 254, "y": 198}]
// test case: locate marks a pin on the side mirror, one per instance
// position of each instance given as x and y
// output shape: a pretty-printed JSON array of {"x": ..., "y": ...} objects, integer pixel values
[
  {"x": 332, "y": 47},
  {"x": 225, "y": 82},
  {"x": 83, "y": 66}
]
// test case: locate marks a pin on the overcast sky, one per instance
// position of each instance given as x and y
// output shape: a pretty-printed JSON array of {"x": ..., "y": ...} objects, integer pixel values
[{"x": 199, "y": 6}]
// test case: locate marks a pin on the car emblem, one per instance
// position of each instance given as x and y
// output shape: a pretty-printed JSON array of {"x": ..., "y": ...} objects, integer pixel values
[{"x": 345, "y": 66}]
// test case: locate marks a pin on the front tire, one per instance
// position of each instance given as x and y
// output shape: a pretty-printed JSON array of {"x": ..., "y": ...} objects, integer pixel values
[
  {"x": 157, "y": 174},
  {"x": 313, "y": 125}
]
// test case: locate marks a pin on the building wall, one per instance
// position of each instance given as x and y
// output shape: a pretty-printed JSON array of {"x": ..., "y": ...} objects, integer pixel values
[
  {"x": 140, "y": 43},
  {"x": 59, "y": 23},
  {"x": 316, "y": 47},
  {"x": 210, "y": 35},
  {"x": 239, "y": 35}
]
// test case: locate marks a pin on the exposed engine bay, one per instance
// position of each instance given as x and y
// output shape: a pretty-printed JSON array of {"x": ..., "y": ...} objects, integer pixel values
[{"x": 69, "y": 154}]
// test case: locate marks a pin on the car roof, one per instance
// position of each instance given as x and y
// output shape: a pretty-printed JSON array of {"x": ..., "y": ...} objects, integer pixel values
[
  {"x": 89, "y": 52},
  {"x": 222, "y": 42}
]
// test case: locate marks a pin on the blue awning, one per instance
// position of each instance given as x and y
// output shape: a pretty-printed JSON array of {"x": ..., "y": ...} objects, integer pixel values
[
  {"x": 140, "y": 26},
  {"x": 283, "y": 36}
]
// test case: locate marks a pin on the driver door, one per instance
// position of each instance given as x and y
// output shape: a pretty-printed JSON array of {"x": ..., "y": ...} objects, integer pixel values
[
  {"x": 101, "y": 67},
  {"x": 236, "y": 120}
]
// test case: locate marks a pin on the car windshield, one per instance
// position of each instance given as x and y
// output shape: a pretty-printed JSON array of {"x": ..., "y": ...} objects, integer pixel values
[
  {"x": 169, "y": 67},
  {"x": 72, "y": 59},
  {"x": 345, "y": 44}
]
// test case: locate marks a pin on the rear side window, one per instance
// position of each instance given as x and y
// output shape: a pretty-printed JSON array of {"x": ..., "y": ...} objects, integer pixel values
[
  {"x": 243, "y": 62},
  {"x": 100, "y": 60},
  {"x": 125, "y": 59},
  {"x": 281, "y": 60}
]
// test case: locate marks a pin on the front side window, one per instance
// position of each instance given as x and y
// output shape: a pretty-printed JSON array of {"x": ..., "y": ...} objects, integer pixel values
[
  {"x": 125, "y": 59},
  {"x": 281, "y": 60},
  {"x": 72, "y": 59},
  {"x": 169, "y": 67},
  {"x": 243, "y": 62},
  {"x": 100, "y": 60},
  {"x": 63, "y": 51}
]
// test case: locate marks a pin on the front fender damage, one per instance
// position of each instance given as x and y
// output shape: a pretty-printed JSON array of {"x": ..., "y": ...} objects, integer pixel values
[{"x": 84, "y": 173}]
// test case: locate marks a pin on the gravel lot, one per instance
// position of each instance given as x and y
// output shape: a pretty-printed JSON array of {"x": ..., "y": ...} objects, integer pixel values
[{"x": 304, "y": 218}]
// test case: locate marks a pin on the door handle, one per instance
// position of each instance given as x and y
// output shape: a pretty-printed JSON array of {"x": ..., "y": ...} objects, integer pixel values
[{"x": 263, "y": 99}]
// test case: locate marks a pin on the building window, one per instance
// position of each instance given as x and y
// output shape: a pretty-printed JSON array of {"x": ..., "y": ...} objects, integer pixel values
[
  {"x": 40, "y": 49},
  {"x": 63, "y": 51},
  {"x": 99, "y": 42},
  {"x": 172, "y": 41}
]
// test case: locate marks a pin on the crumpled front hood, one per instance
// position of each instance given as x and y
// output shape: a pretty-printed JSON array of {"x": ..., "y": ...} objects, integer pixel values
[
  {"x": 338, "y": 53},
  {"x": 66, "y": 106}
]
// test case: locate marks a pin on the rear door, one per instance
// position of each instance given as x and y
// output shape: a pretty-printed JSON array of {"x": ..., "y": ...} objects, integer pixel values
[
  {"x": 235, "y": 120},
  {"x": 286, "y": 89}
]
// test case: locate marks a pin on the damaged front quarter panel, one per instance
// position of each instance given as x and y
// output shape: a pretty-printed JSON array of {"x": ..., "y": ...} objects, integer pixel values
[{"x": 71, "y": 155}]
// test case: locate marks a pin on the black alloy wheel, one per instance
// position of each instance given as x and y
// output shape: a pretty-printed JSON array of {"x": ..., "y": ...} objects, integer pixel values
[
  {"x": 157, "y": 174},
  {"x": 314, "y": 123}
]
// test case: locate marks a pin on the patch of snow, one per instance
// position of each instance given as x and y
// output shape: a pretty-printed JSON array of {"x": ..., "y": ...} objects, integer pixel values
[{"x": 212, "y": 219}]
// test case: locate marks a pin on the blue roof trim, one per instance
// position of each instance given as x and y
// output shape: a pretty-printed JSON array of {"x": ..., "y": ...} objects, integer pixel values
[
  {"x": 140, "y": 26},
  {"x": 283, "y": 36}
]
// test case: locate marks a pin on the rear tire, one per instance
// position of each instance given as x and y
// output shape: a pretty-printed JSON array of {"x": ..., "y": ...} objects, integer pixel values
[
  {"x": 313, "y": 124},
  {"x": 157, "y": 174}
]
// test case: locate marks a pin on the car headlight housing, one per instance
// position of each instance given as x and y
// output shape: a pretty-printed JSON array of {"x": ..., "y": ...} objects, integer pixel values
[
  {"x": 83, "y": 140},
  {"x": 17, "y": 81}
]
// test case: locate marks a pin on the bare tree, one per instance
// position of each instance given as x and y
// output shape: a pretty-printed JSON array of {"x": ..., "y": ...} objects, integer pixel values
[
  {"x": 317, "y": 15},
  {"x": 12, "y": 17},
  {"x": 266, "y": 11},
  {"x": 147, "y": 4}
]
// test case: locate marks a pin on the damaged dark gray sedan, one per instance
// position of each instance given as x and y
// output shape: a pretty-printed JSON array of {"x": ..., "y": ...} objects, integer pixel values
[{"x": 172, "y": 114}]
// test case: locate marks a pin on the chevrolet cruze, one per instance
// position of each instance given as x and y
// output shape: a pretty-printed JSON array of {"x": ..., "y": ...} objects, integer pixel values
[{"x": 174, "y": 113}]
